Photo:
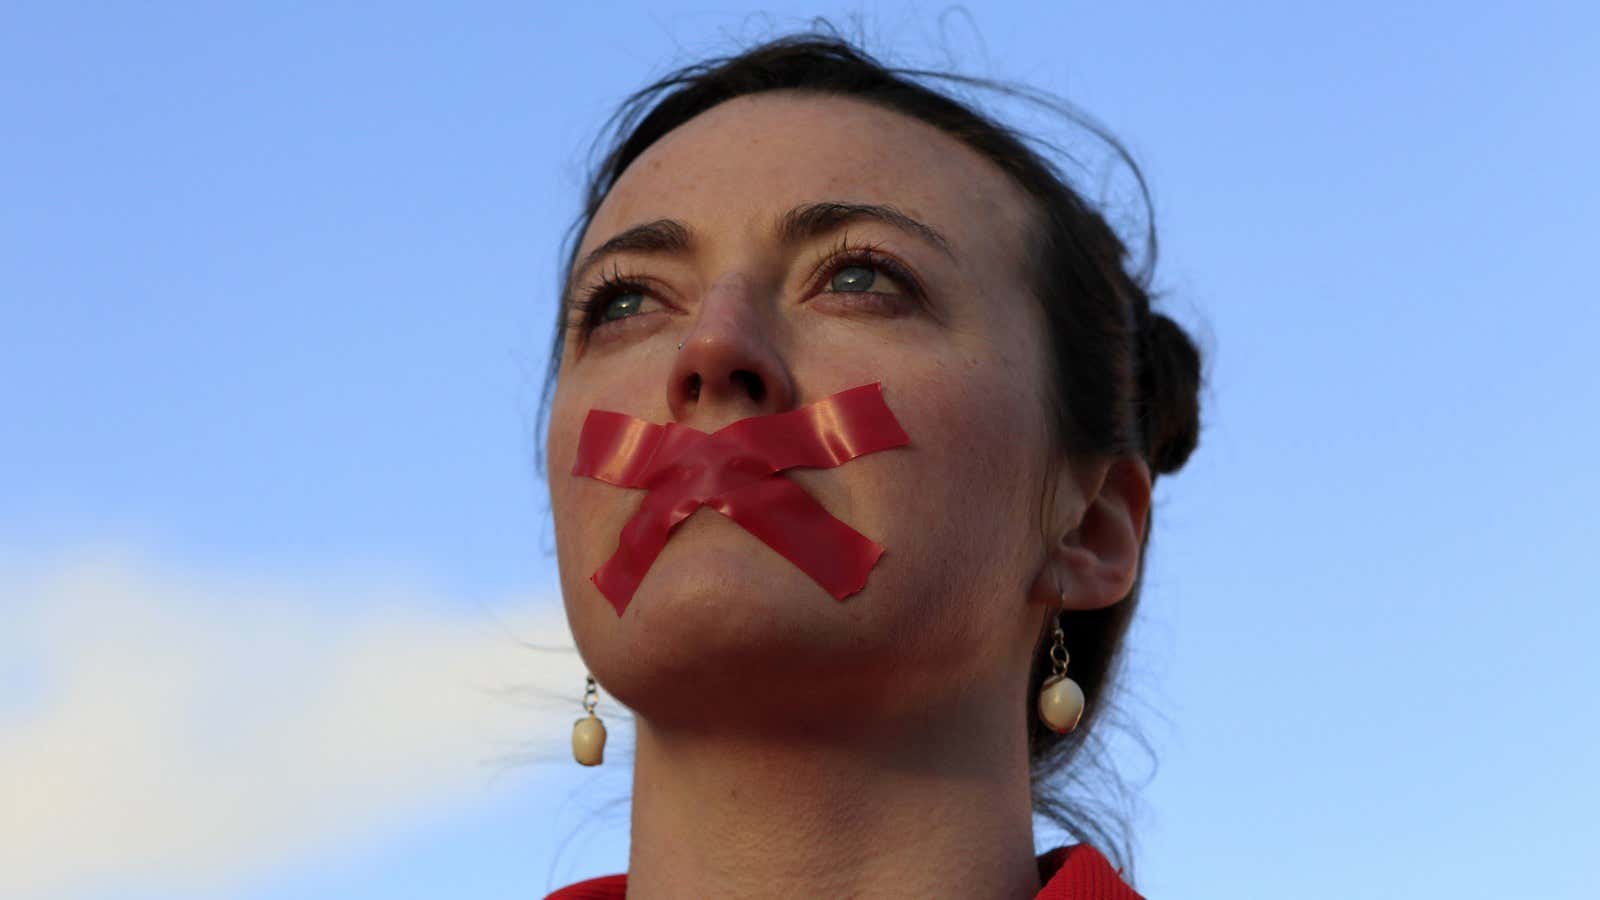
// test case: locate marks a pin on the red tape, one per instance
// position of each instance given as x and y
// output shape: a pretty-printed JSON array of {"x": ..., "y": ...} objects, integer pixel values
[{"x": 736, "y": 472}]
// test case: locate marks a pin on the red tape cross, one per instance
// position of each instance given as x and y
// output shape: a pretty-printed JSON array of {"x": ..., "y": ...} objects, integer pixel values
[{"x": 735, "y": 471}]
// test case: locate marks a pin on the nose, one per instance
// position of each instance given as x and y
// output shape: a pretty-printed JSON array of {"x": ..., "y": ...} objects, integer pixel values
[{"x": 728, "y": 368}]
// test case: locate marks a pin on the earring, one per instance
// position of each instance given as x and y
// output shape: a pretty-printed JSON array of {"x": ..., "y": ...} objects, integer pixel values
[
  {"x": 1060, "y": 698},
  {"x": 589, "y": 733}
]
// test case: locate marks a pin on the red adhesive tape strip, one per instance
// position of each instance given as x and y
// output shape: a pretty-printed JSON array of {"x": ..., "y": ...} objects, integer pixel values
[{"x": 737, "y": 471}]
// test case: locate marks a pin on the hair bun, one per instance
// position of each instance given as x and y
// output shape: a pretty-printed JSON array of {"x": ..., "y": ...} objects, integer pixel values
[{"x": 1169, "y": 393}]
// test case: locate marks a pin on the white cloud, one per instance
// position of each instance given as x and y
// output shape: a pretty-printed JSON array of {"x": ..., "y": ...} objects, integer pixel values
[{"x": 186, "y": 728}]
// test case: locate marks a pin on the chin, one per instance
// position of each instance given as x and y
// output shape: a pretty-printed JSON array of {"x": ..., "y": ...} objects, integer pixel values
[
  {"x": 714, "y": 571},
  {"x": 704, "y": 630},
  {"x": 720, "y": 615}
]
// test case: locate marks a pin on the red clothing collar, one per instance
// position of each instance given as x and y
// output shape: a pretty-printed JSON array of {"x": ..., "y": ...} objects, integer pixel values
[{"x": 1074, "y": 872}]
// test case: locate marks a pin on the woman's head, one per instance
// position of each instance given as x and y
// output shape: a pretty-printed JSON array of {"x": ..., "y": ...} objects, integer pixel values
[{"x": 803, "y": 221}]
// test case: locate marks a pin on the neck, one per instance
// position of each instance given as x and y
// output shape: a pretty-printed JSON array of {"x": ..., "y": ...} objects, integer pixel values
[{"x": 868, "y": 810}]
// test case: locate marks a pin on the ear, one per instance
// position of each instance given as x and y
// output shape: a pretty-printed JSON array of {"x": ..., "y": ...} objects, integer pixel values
[{"x": 1100, "y": 514}]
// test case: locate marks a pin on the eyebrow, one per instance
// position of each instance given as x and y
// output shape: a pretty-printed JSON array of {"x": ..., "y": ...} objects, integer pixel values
[
  {"x": 805, "y": 222},
  {"x": 661, "y": 236},
  {"x": 811, "y": 220}
]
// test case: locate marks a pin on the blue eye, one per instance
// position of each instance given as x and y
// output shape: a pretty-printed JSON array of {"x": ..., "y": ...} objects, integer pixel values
[
  {"x": 621, "y": 306},
  {"x": 853, "y": 278}
]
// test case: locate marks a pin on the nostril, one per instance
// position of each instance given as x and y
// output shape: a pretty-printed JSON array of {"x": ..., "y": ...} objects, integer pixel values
[
  {"x": 692, "y": 384},
  {"x": 752, "y": 383}
]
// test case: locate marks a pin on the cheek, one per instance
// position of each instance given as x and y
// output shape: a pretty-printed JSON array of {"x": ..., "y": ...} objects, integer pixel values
[
  {"x": 577, "y": 505},
  {"x": 958, "y": 504},
  {"x": 561, "y": 447},
  {"x": 955, "y": 503},
  {"x": 981, "y": 436}
]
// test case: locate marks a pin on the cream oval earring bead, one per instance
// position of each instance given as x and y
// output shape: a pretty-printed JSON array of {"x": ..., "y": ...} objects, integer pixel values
[
  {"x": 589, "y": 733},
  {"x": 1060, "y": 699}
]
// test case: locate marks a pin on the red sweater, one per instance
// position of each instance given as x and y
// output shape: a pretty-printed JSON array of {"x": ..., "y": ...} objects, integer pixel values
[{"x": 1074, "y": 872}]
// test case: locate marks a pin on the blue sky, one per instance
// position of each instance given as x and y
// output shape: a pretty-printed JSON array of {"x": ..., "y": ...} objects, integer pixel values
[{"x": 275, "y": 291}]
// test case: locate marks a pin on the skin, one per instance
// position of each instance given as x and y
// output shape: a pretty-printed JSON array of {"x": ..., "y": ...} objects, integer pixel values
[{"x": 789, "y": 744}]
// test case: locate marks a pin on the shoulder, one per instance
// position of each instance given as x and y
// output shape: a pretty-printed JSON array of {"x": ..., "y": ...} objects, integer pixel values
[
  {"x": 1080, "y": 872},
  {"x": 1074, "y": 872},
  {"x": 607, "y": 887}
]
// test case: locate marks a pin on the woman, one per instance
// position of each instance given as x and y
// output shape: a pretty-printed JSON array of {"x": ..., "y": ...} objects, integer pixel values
[{"x": 855, "y": 422}]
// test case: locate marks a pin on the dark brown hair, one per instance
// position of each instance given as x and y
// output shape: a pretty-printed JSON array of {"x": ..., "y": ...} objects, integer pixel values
[{"x": 1125, "y": 379}]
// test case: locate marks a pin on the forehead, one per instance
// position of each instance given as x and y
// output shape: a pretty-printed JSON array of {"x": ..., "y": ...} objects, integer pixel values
[{"x": 742, "y": 163}]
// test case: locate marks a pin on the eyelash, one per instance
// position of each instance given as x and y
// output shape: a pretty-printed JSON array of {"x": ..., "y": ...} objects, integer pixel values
[{"x": 592, "y": 301}]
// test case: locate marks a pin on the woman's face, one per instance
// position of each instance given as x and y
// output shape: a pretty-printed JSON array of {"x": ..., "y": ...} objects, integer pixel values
[{"x": 722, "y": 625}]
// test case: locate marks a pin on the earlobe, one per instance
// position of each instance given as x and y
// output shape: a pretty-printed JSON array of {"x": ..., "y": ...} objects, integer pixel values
[{"x": 1095, "y": 562}]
